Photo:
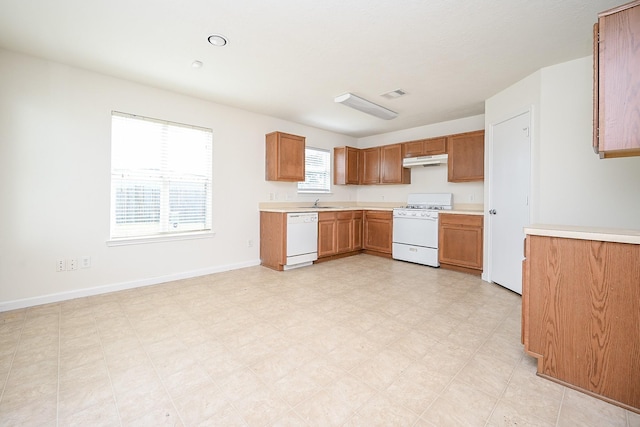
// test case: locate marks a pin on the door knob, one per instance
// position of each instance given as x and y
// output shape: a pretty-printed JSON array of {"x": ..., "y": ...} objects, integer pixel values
[{"x": 492, "y": 212}]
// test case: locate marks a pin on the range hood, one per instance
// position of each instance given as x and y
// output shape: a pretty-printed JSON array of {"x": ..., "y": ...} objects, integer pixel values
[{"x": 412, "y": 162}]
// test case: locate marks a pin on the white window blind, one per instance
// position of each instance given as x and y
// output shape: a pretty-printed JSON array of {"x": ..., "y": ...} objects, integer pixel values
[
  {"x": 161, "y": 175},
  {"x": 317, "y": 171}
]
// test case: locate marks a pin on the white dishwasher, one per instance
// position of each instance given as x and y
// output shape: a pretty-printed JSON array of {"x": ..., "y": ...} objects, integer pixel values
[{"x": 302, "y": 239}]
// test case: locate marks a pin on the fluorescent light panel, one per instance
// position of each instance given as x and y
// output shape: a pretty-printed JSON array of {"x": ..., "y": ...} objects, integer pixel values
[{"x": 365, "y": 106}]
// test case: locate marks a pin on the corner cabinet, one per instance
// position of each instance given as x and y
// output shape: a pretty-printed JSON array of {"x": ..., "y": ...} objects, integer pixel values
[
  {"x": 466, "y": 157},
  {"x": 460, "y": 242},
  {"x": 378, "y": 232},
  {"x": 339, "y": 234},
  {"x": 616, "y": 82},
  {"x": 284, "y": 157},
  {"x": 376, "y": 165}
]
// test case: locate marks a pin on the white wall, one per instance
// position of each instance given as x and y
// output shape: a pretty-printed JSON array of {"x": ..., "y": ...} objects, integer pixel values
[
  {"x": 575, "y": 186},
  {"x": 54, "y": 182},
  {"x": 424, "y": 180},
  {"x": 570, "y": 184}
]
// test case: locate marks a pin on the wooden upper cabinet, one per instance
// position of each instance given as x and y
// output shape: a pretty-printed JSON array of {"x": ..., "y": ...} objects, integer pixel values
[
  {"x": 391, "y": 170},
  {"x": 284, "y": 157},
  {"x": 617, "y": 82},
  {"x": 466, "y": 157},
  {"x": 346, "y": 165},
  {"x": 425, "y": 147},
  {"x": 370, "y": 162}
]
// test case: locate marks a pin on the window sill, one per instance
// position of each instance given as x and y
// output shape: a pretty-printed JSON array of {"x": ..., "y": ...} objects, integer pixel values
[{"x": 160, "y": 239}]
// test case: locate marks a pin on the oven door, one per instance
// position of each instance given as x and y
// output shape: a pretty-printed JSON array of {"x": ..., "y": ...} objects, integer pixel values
[{"x": 416, "y": 231}]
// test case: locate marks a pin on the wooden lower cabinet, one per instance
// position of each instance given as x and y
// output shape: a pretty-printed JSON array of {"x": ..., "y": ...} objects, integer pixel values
[
  {"x": 273, "y": 239},
  {"x": 581, "y": 315},
  {"x": 378, "y": 232},
  {"x": 339, "y": 233},
  {"x": 460, "y": 242},
  {"x": 326, "y": 234}
]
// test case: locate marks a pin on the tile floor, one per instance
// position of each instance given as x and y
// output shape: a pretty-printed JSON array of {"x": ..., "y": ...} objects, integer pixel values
[{"x": 361, "y": 341}]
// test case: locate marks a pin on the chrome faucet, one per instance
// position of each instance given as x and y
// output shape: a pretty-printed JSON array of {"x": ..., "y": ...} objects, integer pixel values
[{"x": 315, "y": 204}]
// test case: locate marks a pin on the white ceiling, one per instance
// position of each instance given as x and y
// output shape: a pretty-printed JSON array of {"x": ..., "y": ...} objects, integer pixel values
[{"x": 290, "y": 58}]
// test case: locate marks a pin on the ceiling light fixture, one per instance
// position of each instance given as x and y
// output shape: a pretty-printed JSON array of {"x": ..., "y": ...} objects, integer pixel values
[
  {"x": 217, "y": 40},
  {"x": 365, "y": 106}
]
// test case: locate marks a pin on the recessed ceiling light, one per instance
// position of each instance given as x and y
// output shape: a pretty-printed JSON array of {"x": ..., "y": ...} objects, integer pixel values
[
  {"x": 196, "y": 64},
  {"x": 217, "y": 40}
]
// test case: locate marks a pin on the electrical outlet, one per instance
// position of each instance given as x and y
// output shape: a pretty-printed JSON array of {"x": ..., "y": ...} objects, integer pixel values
[
  {"x": 61, "y": 264},
  {"x": 85, "y": 262},
  {"x": 250, "y": 243},
  {"x": 72, "y": 263}
]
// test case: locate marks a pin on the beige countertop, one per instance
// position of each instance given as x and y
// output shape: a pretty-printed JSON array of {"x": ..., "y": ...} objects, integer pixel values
[
  {"x": 288, "y": 207},
  {"x": 616, "y": 235}
]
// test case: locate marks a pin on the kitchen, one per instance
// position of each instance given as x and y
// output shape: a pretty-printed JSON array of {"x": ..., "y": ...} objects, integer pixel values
[{"x": 64, "y": 215}]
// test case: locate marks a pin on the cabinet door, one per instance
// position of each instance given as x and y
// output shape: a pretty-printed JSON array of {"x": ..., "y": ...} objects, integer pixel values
[
  {"x": 285, "y": 157},
  {"x": 460, "y": 240},
  {"x": 378, "y": 231},
  {"x": 326, "y": 234},
  {"x": 356, "y": 242},
  {"x": 435, "y": 146},
  {"x": 370, "y": 165},
  {"x": 344, "y": 232},
  {"x": 391, "y": 170},
  {"x": 346, "y": 166},
  {"x": 414, "y": 148},
  {"x": 466, "y": 157},
  {"x": 618, "y": 81}
]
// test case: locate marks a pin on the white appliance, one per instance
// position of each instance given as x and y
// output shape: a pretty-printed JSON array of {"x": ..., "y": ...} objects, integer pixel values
[
  {"x": 435, "y": 160},
  {"x": 415, "y": 228},
  {"x": 302, "y": 239}
]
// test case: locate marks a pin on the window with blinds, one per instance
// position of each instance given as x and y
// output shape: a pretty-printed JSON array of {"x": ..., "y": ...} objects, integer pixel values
[
  {"x": 317, "y": 171},
  {"x": 161, "y": 175}
]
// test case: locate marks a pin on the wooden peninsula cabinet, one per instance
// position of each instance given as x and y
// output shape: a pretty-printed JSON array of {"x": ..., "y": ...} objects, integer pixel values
[
  {"x": 581, "y": 310},
  {"x": 284, "y": 157},
  {"x": 460, "y": 242},
  {"x": 616, "y": 82},
  {"x": 378, "y": 232},
  {"x": 466, "y": 157}
]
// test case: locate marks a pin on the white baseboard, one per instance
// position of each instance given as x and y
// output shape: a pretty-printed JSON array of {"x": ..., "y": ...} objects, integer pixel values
[{"x": 87, "y": 292}]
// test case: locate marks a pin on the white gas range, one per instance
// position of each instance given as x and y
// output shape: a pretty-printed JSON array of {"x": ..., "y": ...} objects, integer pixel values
[{"x": 415, "y": 228}]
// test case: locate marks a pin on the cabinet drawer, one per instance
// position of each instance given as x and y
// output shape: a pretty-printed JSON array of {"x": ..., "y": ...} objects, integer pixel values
[
  {"x": 326, "y": 216},
  {"x": 462, "y": 220},
  {"x": 379, "y": 215},
  {"x": 344, "y": 215}
]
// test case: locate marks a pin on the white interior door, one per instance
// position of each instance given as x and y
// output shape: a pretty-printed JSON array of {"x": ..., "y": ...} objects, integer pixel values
[{"x": 509, "y": 200}]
